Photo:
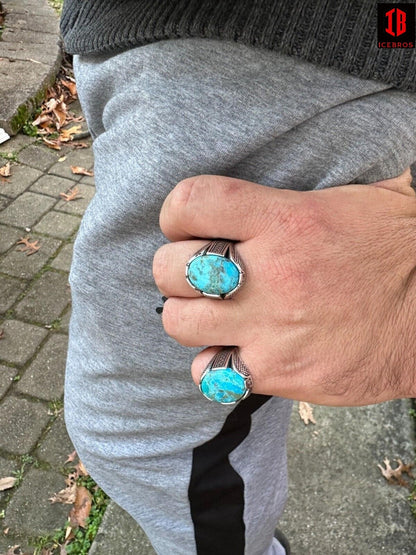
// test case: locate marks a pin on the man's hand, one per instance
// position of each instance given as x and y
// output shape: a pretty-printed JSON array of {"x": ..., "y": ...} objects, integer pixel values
[{"x": 327, "y": 313}]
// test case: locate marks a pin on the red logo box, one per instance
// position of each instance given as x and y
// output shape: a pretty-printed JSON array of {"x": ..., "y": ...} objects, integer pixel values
[{"x": 396, "y": 25}]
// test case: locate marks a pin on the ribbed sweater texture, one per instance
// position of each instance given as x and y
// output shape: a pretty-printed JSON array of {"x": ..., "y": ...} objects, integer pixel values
[{"x": 334, "y": 33}]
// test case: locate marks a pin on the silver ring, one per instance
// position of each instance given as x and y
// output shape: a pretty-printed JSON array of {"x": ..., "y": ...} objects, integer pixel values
[
  {"x": 226, "y": 379},
  {"x": 216, "y": 270}
]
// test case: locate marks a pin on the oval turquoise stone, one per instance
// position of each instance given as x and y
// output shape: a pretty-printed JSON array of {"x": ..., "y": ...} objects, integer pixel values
[
  {"x": 223, "y": 385},
  {"x": 213, "y": 274}
]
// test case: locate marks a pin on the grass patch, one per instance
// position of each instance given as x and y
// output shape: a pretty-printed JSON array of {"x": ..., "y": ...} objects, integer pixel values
[
  {"x": 2, "y": 17},
  {"x": 9, "y": 156},
  {"x": 80, "y": 539},
  {"x": 57, "y": 5},
  {"x": 55, "y": 407}
]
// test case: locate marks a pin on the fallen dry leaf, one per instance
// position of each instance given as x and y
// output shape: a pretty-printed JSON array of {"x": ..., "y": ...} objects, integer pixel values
[
  {"x": 60, "y": 110},
  {"x": 68, "y": 495},
  {"x": 1, "y": 334},
  {"x": 68, "y": 532},
  {"x": 81, "y": 171},
  {"x": 42, "y": 119},
  {"x": 71, "y": 86},
  {"x": 81, "y": 469},
  {"x": 82, "y": 507},
  {"x": 5, "y": 171},
  {"x": 29, "y": 248},
  {"x": 71, "y": 457},
  {"x": 306, "y": 413},
  {"x": 7, "y": 483},
  {"x": 71, "y": 194},
  {"x": 79, "y": 145},
  {"x": 75, "y": 119},
  {"x": 67, "y": 134},
  {"x": 54, "y": 114},
  {"x": 395, "y": 475},
  {"x": 53, "y": 143}
]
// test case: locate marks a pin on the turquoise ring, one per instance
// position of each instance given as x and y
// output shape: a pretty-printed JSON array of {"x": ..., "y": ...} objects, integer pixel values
[
  {"x": 226, "y": 379},
  {"x": 216, "y": 270}
]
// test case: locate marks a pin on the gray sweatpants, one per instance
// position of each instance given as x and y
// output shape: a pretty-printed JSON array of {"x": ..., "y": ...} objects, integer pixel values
[{"x": 200, "y": 478}]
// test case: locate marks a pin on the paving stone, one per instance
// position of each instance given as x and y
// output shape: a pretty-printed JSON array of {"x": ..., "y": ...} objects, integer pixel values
[
  {"x": 17, "y": 263},
  {"x": 57, "y": 445},
  {"x": 16, "y": 143},
  {"x": 336, "y": 489},
  {"x": 25, "y": 36},
  {"x": 20, "y": 95},
  {"x": 8, "y": 237},
  {"x": 32, "y": 22},
  {"x": 46, "y": 300},
  {"x": 39, "y": 157},
  {"x": 87, "y": 180},
  {"x": 75, "y": 107},
  {"x": 21, "y": 178},
  {"x": 45, "y": 376},
  {"x": 21, "y": 424},
  {"x": 19, "y": 7},
  {"x": 19, "y": 341},
  {"x": 30, "y": 513},
  {"x": 10, "y": 289},
  {"x": 7, "y": 468},
  {"x": 58, "y": 224},
  {"x": 52, "y": 185},
  {"x": 64, "y": 258},
  {"x": 4, "y": 201},
  {"x": 79, "y": 205},
  {"x": 64, "y": 327},
  {"x": 6, "y": 378},
  {"x": 26, "y": 210},
  {"x": 120, "y": 533},
  {"x": 81, "y": 157}
]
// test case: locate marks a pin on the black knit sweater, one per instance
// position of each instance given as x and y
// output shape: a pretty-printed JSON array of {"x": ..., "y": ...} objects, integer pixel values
[{"x": 334, "y": 33}]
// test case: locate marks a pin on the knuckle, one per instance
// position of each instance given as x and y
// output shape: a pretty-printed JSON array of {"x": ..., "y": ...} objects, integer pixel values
[
  {"x": 180, "y": 203},
  {"x": 186, "y": 190},
  {"x": 190, "y": 189},
  {"x": 170, "y": 318},
  {"x": 160, "y": 266},
  {"x": 207, "y": 321}
]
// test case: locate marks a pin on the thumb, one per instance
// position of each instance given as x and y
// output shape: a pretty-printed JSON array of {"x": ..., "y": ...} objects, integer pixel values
[
  {"x": 401, "y": 184},
  {"x": 201, "y": 361}
]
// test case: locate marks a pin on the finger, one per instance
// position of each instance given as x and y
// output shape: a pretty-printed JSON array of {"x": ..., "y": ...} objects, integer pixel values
[
  {"x": 169, "y": 265},
  {"x": 289, "y": 383},
  {"x": 215, "y": 206},
  {"x": 199, "y": 322},
  {"x": 401, "y": 184}
]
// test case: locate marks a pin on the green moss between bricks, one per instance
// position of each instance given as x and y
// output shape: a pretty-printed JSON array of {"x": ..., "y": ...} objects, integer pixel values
[
  {"x": 1, "y": 19},
  {"x": 56, "y": 5},
  {"x": 26, "y": 111},
  {"x": 83, "y": 537}
]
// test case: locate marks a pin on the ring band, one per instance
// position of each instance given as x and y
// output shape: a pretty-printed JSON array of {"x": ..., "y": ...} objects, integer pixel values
[
  {"x": 216, "y": 270},
  {"x": 226, "y": 379}
]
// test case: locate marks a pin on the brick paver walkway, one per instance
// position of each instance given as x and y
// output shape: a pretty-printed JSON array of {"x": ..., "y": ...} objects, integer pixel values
[{"x": 34, "y": 316}]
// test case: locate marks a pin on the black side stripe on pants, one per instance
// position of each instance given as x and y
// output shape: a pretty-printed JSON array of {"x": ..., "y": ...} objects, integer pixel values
[{"x": 216, "y": 490}]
